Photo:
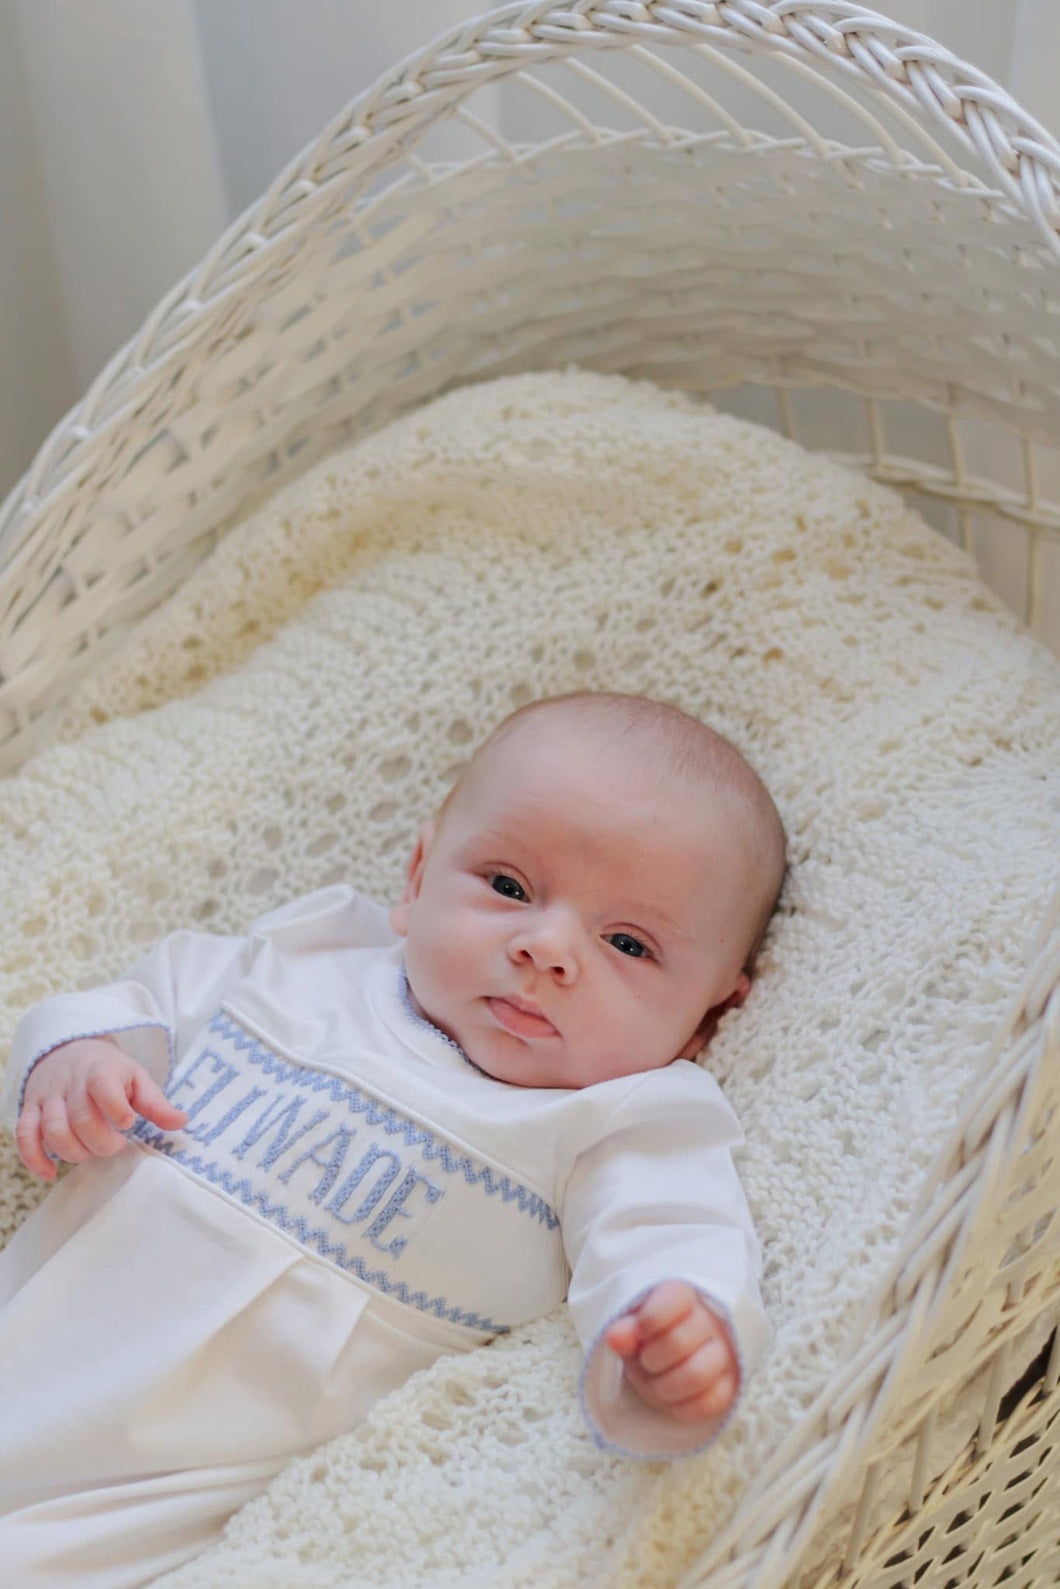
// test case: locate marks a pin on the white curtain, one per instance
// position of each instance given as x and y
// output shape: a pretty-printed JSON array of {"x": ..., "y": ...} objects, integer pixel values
[{"x": 133, "y": 131}]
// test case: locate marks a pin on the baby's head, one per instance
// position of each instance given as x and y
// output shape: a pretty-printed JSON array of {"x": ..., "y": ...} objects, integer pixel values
[{"x": 592, "y": 893}]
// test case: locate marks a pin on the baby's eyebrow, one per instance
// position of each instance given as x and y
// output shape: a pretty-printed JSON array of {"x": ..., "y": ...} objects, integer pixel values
[
  {"x": 657, "y": 920},
  {"x": 493, "y": 845},
  {"x": 491, "y": 838},
  {"x": 666, "y": 927}
]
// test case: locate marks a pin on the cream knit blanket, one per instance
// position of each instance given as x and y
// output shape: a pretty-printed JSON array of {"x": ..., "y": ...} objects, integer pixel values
[{"x": 328, "y": 669}]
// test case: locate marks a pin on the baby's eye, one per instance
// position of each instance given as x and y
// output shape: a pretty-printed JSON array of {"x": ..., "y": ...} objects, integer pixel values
[
  {"x": 501, "y": 883},
  {"x": 626, "y": 944}
]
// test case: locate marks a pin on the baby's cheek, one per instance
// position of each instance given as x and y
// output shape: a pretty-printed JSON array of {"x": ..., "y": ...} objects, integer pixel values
[
  {"x": 439, "y": 968},
  {"x": 423, "y": 971},
  {"x": 449, "y": 959}
]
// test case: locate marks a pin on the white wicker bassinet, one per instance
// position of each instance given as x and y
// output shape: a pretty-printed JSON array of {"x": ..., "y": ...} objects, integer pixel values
[{"x": 888, "y": 294}]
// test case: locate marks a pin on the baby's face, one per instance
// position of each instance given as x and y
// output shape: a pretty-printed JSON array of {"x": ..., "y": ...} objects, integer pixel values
[{"x": 570, "y": 920}]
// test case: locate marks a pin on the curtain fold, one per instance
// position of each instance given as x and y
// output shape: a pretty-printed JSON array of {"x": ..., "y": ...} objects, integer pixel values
[{"x": 129, "y": 159}]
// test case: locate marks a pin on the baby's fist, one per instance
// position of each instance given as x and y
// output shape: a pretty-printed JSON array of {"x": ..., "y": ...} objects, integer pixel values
[
  {"x": 677, "y": 1353},
  {"x": 79, "y": 1101}
]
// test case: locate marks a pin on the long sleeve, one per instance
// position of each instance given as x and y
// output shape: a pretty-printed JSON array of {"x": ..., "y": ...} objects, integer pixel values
[
  {"x": 659, "y": 1198},
  {"x": 162, "y": 1000},
  {"x": 165, "y": 995}
]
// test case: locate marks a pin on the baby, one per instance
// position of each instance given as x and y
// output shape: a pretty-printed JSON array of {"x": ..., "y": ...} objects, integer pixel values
[{"x": 315, "y": 1158}]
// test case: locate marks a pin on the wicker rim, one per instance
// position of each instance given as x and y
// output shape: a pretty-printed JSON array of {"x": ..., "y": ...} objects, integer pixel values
[
  {"x": 774, "y": 1522},
  {"x": 907, "y": 68}
]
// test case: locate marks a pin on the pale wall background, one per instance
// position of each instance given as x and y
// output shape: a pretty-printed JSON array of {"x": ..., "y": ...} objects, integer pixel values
[{"x": 133, "y": 131}]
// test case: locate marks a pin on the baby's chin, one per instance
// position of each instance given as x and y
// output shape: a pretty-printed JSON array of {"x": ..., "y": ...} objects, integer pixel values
[
  {"x": 517, "y": 1062},
  {"x": 518, "y": 1069}
]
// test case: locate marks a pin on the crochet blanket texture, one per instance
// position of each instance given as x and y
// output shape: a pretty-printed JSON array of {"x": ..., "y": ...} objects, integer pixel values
[{"x": 288, "y": 717}]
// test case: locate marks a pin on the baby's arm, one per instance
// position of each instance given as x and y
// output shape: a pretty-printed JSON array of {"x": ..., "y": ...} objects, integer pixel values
[
  {"x": 677, "y": 1353},
  {"x": 83, "y": 1064},
  {"x": 78, "y": 1101},
  {"x": 125, "y": 1032},
  {"x": 653, "y": 1214}
]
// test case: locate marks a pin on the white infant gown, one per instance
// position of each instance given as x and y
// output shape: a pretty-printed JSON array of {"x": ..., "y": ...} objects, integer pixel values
[{"x": 350, "y": 1199}]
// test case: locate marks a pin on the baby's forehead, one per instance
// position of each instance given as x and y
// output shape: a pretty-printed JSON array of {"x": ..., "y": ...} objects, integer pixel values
[
  {"x": 559, "y": 759},
  {"x": 602, "y": 749},
  {"x": 556, "y": 754},
  {"x": 563, "y": 733}
]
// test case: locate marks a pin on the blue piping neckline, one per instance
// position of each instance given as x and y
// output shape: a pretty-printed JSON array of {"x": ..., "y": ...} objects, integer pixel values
[{"x": 421, "y": 1020}]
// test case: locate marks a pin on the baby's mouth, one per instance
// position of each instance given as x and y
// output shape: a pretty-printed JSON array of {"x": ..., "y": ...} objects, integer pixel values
[{"x": 520, "y": 1018}]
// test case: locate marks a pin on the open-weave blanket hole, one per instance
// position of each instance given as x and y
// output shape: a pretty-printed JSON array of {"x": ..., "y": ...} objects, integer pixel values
[{"x": 288, "y": 717}]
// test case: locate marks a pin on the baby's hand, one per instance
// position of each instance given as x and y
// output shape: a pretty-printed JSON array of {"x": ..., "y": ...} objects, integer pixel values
[
  {"x": 78, "y": 1101},
  {"x": 677, "y": 1353}
]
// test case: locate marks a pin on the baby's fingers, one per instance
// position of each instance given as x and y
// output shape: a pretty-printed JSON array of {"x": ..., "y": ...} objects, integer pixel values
[
  {"x": 664, "y": 1306},
  {"x": 30, "y": 1147},
  {"x": 57, "y": 1135},
  {"x": 92, "y": 1125},
  {"x": 148, "y": 1099},
  {"x": 693, "y": 1377},
  {"x": 623, "y": 1336},
  {"x": 108, "y": 1094},
  {"x": 712, "y": 1403},
  {"x": 672, "y": 1346}
]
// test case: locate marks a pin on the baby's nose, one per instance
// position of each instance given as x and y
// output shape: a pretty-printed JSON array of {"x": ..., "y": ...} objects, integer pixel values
[{"x": 548, "y": 942}]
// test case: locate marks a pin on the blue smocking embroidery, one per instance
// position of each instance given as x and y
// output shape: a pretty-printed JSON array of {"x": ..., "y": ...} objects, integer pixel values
[
  {"x": 287, "y": 1116},
  {"x": 315, "y": 1238},
  {"x": 393, "y": 1123}
]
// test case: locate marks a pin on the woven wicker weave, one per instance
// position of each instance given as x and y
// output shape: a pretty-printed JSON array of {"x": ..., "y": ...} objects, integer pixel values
[{"x": 683, "y": 220}]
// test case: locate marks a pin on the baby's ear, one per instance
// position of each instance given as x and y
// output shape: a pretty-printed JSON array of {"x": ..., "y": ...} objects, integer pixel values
[
  {"x": 738, "y": 994},
  {"x": 705, "y": 1030},
  {"x": 402, "y": 911}
]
